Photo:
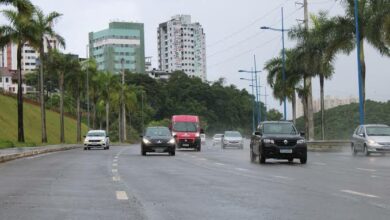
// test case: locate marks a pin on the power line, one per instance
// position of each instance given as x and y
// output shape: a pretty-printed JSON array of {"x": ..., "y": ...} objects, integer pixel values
[{"x": 245, "y": 27}]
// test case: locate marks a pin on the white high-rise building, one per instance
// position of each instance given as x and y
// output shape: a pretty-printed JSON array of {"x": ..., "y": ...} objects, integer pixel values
[
  {"x": 182, "y": 46},
  {"x": 8, "y": 56}
]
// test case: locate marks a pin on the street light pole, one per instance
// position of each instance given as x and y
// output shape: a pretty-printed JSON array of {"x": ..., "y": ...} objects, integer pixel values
[
  {"x": 361, "y": 100},
  {"x": 284, "y": 70},
  {"x": 123, "y": 114},
  {"x": 258, "y": 106},
  {"x": 253, "y": 101},
  {"x": 88, "y": 115}
]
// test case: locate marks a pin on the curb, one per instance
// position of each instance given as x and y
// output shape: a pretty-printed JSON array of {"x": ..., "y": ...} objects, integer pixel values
[{"x": 15, "y": 156}]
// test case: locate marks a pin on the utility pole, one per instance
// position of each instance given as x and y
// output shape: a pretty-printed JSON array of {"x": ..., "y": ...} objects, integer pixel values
[
  {"x": 122, "y": 136},
  {"x": 308, "y": 85},
  {"x": 258, "y": 113},
  {"x": 88, "y": 89}
]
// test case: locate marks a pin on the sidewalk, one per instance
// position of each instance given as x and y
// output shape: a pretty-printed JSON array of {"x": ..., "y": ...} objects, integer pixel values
[{"x": 20, "y": 152}]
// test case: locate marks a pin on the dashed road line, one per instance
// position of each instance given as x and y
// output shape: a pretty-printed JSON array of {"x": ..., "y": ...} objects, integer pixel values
[
  {"x": 364, "y": 169},
  {"x": 282, "y": 177},
  {"x": 116, "y": 178},
  {"x": 219, "y": 164},
  {"x": 114, "y": 170},
  {"x": 241, "y": 169},
  {"x": 114, "y": 164},
  {"x": 319, "y": 163},
  {"x": 359, "y": 193},
  {"x": 121, "y": 195}
]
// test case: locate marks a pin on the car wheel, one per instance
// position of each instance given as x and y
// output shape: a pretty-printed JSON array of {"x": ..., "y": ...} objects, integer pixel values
[
  {"x": 172, "y": 153},
  {"x": 366, "y": 152},
  {"x": 290, "y": 160},
  {"x": 143, "y": 152},
  {"x": 85, "y": 148},
  {"x": 262, "y": 159},
  {"x": 252, "y": 155},
  {"x": 354, "y": 151},
  {"x": 303, "y": 159}
]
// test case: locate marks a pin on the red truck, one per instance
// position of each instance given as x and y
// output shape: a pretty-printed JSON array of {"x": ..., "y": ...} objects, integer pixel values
[{"x": 186, "y": 130}]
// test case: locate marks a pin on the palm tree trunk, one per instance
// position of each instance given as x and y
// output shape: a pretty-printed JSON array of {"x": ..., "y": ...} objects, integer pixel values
[
  {"x": 322, "y": 107},
  {"x": 363, "y": 68},
  {"x": 62, "y": 132},
  {"x": 78, "y": 118},
  {"x": 42, "y": 98},
  {"x": 107, "y": 117},
  {"x": 20, "y": 95},
  {"x": 124, "y": 125},
  {"x": 294, "y": 107},
  {"x": 94, "y": 115},
  {"x": 309, "y": 105}
]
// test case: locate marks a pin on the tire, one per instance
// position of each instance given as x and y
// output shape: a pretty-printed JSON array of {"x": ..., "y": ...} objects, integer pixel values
[
  {"x": 303, "y": 159},
  {"x": 366, "y": 151},
  {"x": 252, "y": 156},
  {"x": 290, "y": 160},
  {"x": 262, "y": 159},
  {"x": 172, "y": 153},
  {"x": 143, "y": 152},
  {"x": 85, "y": 148},
  {"x": 354, "y": 151}
]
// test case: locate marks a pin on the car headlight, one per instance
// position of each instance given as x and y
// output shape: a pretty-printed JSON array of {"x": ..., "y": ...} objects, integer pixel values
[
  {"x": 102, "y": 141},
  {"x": 172, "y": 141},
  {"x": 146, "y": 141},
  {"x": 197, "y": 135},
  {"x": 301, "y": 141},
  {"x": 268, "y": 141},
  {"x": 371, "y": 142}
]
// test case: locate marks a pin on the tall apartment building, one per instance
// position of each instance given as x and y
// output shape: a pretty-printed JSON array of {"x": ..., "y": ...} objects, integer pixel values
[
  {"x": 8, "y": 56},
  {"x": 329, "y": 102},
  {"x": 182, "y": 46},
  {"x": 121, "y": 42}
]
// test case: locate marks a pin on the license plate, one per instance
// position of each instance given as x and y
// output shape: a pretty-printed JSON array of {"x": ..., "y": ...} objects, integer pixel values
[
  {"x": 186, "y": 145},
  {"x": 160, "y": 150},
  {"x": 286, "y": 151}
]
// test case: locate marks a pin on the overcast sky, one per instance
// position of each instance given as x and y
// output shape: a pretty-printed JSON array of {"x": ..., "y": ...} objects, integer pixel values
[{"x": 232, "y": 35}]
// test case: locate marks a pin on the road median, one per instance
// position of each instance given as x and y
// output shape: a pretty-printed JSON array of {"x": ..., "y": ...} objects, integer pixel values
[
  {"x": 17, "y": 153},
  {"x": 328, "y": 145}
]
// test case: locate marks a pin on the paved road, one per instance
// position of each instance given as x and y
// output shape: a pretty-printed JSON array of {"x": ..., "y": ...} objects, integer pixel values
[{"x": 212, "y": 184}]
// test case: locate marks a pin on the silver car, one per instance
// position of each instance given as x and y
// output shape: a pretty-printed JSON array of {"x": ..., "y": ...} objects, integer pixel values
[
  {"x": 232, "y": 139},
  {"x": 96, "y": 139},
  {"x": 371, "y": 138}
]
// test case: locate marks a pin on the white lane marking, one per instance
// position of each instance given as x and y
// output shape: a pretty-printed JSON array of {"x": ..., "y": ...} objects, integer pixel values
[
  {"x": 116, "y": 157},
  {"x": 374, "y": 176},
  {"x": 358, "y": 193},
  {"x": 116, "y": 178},
  {"x": 115, "y": 160},
  {"x": 114, "y": 164},
  {"x": 219, "y": 164},
  {"x": 192, "y": 156},
  {"x": 121, "y": 195},
  {"x": 319, "y": 163},
  {"x": 364, "y": 169},
  {"x": 241, "y": 169},
  {"x": 283, "y": 177},
  {"x": 114, "y": 170},
  {"x": 202, "y": 159}
]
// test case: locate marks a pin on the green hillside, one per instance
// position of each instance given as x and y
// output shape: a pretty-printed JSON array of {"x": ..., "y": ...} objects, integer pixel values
[
  {"x": 341, "y": 121},
  {"x": 32, "y": 125}
]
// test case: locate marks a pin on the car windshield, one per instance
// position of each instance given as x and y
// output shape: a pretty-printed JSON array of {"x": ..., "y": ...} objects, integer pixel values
[
  {"x": 185, "y": 126},
  {"x": 232, "y": 134},
  {"x": 96, "y": 134},
  {"x": 157, "y": 132},
  {"x": 279, "y": 128},
  {"x": 378, "y": 131}
]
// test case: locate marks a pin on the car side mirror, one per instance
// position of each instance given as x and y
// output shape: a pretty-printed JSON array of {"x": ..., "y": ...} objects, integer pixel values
[
  {"x": 175, "y": 136},
  {"x": 258, "y": 133},
  {"x": 84, "y": 136},
  {"x": 201, "y": 131},
  {"x": 302, "y": 134},
  {"x": 141, "y": 136}
]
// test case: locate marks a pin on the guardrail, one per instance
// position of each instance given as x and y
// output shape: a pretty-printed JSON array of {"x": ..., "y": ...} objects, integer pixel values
[{"x": 328, "y": 145}]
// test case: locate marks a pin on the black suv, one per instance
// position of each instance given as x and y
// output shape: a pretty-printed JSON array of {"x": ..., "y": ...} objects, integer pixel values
[
  {"x": 278, "y": 140},
  {"x": 159, "y": 140}
]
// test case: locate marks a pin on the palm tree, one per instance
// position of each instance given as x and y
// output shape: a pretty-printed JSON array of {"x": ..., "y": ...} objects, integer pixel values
[
  {"x": 18, "y": 31},
  {"x": 317, "y": 51},
  {"x": 275, "y": 79},
  {"x": 373, "y": 20},
  {"x": 44, "y": 25}
]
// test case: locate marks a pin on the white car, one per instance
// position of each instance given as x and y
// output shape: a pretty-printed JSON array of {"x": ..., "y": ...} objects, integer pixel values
[
  {"x": 97, "y": 139},
  {"x": 217, "y": 139},
  {"x": 232, "y": 139}
]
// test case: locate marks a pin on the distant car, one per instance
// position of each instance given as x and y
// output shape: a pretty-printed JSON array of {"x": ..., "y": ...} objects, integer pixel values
[
  {"x": 203, "y": 139},
  {"x": 278, "y": 140},
  {"x": 159, "y": 140},
  {"x": 371, "y": 138},
  {"x": 96, "y": 139},
  {"x": 232, "y": 139},
  {"x": 217, "y": 139}
]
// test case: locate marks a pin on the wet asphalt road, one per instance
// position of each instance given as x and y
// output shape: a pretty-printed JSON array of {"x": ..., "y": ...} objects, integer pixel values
[{"x": 212, "y": 184}]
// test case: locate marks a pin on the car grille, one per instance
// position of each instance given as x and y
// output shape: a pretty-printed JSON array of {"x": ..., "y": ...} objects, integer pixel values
[
  {"x": 385, "y": 143},
  {"x": 289, "y": 142},
  {"x": 159, "y": 141},
  {"x": 234, "y": 142},
  {"x": 94, "y": 140},
  {"x": 186, "y": 141}
]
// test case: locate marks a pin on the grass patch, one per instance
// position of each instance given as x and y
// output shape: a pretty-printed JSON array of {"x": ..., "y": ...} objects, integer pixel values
[{"x": 32, "y": 125}]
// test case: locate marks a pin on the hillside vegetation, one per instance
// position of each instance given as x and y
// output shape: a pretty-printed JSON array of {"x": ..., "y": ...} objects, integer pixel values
[
  {"x": 341, "y": 121},
  {"x": 32, "y": 123}
]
